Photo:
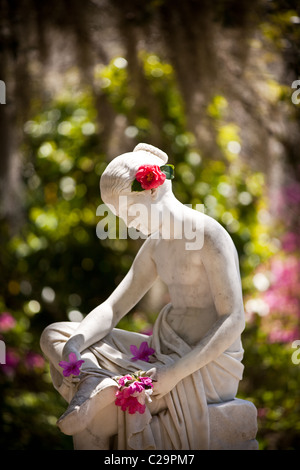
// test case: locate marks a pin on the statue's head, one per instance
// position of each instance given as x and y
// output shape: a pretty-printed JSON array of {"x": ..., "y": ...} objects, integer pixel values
[{"x": 136, "y": 178}]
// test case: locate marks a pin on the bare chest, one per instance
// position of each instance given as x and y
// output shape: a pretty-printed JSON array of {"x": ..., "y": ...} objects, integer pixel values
[{"x": 178, "y": 266}]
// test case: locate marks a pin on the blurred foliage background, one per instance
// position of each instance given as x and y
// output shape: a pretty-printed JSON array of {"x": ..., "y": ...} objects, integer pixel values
[{"x": 208, "y": 82}]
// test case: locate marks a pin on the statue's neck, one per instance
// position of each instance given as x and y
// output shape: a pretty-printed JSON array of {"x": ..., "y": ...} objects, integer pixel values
[{"x": 173, "y": 214}]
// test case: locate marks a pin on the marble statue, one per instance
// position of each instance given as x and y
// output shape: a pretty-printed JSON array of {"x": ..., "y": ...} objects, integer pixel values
[{"x": 196, "y": 351}]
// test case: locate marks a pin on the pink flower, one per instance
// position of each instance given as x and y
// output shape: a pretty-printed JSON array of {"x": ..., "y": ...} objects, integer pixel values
[
  {"x": 136, "y": 407},
  {"x": 150, "y": 176},
  {"x": 7, "y": 322},
  {"x": 292, "y": 193},
  {"x": 283, "y": 336},
  {"x": 124, "y": 379},
  {"x": 133, "y": 392},
  {"x": 142, "y": 353},
  {"x": 12, "y": 361},
  {"x": 290, "y": 241},
  {"x": 147, "y": 381},
  {"x": 285, "y": 272},
  {"x": 130, "y": 404},
  {"x": 147, "y": 331},
  {"x": 133, "y": 389},
  {"x": 72, "y": 367},
  {"x": 262, "y": 412},
  {"x": 34, "y": 361}
]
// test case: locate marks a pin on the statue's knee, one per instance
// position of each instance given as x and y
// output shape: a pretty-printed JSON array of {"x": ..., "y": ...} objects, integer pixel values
[{"x": 48, "y": 336}]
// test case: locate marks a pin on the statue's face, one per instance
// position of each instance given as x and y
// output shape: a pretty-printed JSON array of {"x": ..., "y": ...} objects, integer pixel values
[{"x": 140, "y": 211}]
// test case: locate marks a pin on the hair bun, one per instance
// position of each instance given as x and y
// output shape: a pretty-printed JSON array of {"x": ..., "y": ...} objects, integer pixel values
[{"x": 153, "y": 150}]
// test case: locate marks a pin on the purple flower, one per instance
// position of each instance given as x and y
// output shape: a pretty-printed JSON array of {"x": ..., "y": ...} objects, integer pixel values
[
  {"x": 72, "y": 367},
  {"x": 7, "y": 322},
  {"x": 142, "y": 353}
]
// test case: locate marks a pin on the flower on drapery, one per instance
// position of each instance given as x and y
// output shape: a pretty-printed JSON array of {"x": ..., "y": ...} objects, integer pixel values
[{"x": 134, "y": 390}]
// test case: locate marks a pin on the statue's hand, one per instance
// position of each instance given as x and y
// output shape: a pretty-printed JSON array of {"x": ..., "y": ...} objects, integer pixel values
[
  {"x": 164, "y": 380},
  {"x": 68, "y": 349},
  {"x": 71, "y": 363},
  {"x": 73, "y": 345}
]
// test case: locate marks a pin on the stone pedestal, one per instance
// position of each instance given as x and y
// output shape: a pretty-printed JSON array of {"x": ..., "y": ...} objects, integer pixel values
[{"x": 233, "y": 425}]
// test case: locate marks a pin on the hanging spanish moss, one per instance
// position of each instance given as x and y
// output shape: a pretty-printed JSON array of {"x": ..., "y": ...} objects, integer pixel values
[{"x": 238, "y": 50}]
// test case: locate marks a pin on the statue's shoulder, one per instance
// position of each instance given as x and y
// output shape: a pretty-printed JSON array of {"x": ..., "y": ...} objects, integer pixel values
[
  {"x": 148, "y": 245},
  {"x": 215, "y": 235}
]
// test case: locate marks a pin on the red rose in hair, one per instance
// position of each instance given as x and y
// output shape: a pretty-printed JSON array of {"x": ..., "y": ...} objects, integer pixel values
[{"x": 150, "y": 176}]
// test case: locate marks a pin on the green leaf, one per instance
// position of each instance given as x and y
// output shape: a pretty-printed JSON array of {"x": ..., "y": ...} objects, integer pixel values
[
  {"x": 168, "y": 170},
  {"x": 136, "y": 186}
]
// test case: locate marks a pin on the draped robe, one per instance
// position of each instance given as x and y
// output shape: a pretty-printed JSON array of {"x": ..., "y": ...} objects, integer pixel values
[{"x": 183, "y": 423}]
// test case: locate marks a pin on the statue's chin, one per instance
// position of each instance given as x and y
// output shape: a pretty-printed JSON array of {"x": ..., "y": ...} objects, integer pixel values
[{"x": 142, "y": 229}]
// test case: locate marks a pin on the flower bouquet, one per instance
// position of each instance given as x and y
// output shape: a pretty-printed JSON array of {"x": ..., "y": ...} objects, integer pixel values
[{"x": 134, "y": 390}]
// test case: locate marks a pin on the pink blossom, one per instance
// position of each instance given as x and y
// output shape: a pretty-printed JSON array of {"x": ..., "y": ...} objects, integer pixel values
[
  {"x": 7, "y": 322},
  {"x": 72, "y": 367},
  {"x": 262, "y": 412},
  {"x": 147, "y": 381},
  {"x": 284, "y": 293},
  {"x": 133, "y": 393},
  {"x": 130, "y": 404},
  {"x": 142, "y": 353},
  {"x": 290, "y": 241},
  {"x": 133, "y": 389},
  {"x": 147, "y": 331},
  {"x": 283, "y": 336},
  {"x": 136, "y": 407},
  {"x": 12, "y": 358},
  {"x": 122, "y": 381},
  {"x": 285, "y": 272},
  {"x": 34, "y": 360},
  {"x": 281, "y": 302},
  {"x": 12, "y": 361},
  {"x": 292, "y": 193},
  {"x": 150, "y": 176}
]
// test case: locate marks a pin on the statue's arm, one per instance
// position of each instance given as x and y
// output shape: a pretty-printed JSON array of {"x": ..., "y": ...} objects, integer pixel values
[
  {"x": 100, "y": 321},
  {"x": 220, "y": 261}
]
